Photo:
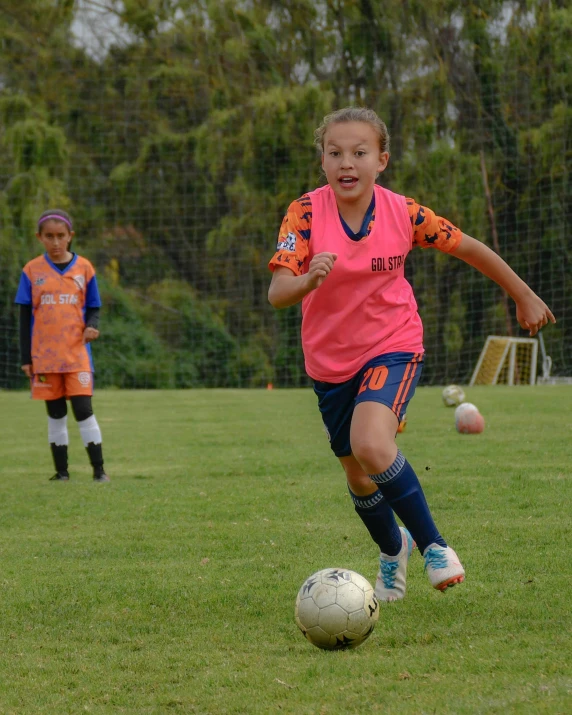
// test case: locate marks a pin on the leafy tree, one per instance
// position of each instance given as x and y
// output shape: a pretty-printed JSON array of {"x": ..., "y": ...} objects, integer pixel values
[{"x": 179, "y": 147}]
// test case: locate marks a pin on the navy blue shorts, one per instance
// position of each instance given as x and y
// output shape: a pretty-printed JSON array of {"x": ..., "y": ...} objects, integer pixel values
[{"x": 390, "y": 379}]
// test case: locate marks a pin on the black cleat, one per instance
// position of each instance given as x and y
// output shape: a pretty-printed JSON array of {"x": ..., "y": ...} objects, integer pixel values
[
  {"x": 60, "y": 477},
  {"x": 100, "y": 476}
]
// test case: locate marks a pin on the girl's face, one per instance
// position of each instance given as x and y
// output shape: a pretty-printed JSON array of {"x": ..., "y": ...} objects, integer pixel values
[
  {"x": 352, "y": 160},
  {"x": 56, "y": 237}
]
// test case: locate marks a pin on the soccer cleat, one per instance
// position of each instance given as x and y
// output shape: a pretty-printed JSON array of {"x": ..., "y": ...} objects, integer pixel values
[
  {"x": 390, "y": 583},
  {"x": 443, "y": 567},
  {"x": 60, "y": 477},
  {"x": 100, "y": 476}
]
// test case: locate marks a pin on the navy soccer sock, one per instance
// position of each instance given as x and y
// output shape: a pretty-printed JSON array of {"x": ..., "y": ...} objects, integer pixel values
[
  {"x": 400, "y": 486},
  {"x": 379, "y": 520}
]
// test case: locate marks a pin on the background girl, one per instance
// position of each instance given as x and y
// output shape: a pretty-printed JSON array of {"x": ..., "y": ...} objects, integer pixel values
[{"x": 59, "y": 316}]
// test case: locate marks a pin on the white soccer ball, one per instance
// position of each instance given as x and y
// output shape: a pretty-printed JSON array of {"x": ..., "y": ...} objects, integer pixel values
[
  {"x": 336, "y": 609},
  {"x": 453, "y": 395}
]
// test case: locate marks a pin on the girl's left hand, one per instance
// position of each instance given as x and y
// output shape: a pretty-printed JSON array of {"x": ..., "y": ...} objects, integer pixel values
[
  {"x": 90, "y": 334},
  {"x": 532, "y": 313}
]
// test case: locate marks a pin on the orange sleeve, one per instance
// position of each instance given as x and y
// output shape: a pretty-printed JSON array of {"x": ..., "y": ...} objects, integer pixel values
[
  {"x": 293, "y": 248},
  {"x": 432, "y": 231}
]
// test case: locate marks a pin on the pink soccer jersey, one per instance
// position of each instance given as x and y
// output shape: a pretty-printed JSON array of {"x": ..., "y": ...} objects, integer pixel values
[
  {"x": 59, "y": 300},
  {"x": 365, "y": 307}
]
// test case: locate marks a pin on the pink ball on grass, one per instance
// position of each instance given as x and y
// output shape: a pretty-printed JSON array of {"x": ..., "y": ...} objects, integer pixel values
[{"x": 468, "y": 419}]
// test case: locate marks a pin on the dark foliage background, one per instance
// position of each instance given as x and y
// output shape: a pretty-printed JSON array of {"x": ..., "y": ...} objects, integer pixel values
[{"x": 177, "y": 133}]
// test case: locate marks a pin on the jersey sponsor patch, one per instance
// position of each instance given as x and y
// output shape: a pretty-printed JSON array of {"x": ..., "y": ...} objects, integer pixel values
[
  {"x": 79, "y": 281},
  {"x": 288, "y": 244},
  {"x": 39, "y": 281},
  {"x": 84, "y": 378}
]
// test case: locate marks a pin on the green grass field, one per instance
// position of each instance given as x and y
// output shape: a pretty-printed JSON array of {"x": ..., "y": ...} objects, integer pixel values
[{"x": 172, "y": 589}]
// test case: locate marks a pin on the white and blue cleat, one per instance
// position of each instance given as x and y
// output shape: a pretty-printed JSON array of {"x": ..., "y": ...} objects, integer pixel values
[
  {"x": 443, "y": 567},
  {"x": 390, "y": 583}
]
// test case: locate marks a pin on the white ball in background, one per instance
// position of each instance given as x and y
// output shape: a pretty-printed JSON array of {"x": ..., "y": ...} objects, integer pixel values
[{"x": 452, "y": 395}]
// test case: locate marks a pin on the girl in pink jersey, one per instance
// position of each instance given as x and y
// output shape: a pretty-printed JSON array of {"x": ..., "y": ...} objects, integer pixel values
[
  {"x": 59, "y": 314},
  {"x": 341, "y": 251}
]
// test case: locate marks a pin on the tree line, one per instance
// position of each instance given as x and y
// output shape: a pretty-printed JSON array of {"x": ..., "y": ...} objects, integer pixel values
[{"x": 178, "y": 147}]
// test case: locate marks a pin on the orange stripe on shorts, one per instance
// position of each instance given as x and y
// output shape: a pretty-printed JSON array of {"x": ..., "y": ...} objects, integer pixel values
[{"x": 408, "y": 376}]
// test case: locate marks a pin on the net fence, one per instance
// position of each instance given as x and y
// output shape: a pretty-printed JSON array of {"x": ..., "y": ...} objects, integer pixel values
[{"x": 177, "y": 133}]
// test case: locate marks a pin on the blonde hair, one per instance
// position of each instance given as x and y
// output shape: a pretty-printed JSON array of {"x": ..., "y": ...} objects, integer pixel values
[{"x": 353, "y": 114}]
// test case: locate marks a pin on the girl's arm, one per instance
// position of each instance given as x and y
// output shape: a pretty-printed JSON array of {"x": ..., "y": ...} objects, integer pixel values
[
  {"x": 91, "y": 331},
  {"x": 532, "y": 313},
  {"x": 26, "y": 337},
  {"x": 287, "y": 289}
]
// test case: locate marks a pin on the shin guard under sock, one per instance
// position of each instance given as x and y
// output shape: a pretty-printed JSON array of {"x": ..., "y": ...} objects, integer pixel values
[
  {"x": 400, "y": 486},
  {"x": 379, "y": 520}
]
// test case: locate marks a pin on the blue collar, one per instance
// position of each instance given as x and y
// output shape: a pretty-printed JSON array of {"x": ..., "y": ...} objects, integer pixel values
[
  {"x": 364, "y": 224},
  {"x": 66, "y": 269}
]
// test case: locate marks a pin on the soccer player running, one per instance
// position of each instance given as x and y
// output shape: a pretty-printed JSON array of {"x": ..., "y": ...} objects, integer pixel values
[
  {"x": 341, "y": 251},
  {"x": 59, "y": 316}
]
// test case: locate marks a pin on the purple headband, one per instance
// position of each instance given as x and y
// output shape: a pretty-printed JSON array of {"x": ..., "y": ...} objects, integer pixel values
[{"x": 58, "y": 218}]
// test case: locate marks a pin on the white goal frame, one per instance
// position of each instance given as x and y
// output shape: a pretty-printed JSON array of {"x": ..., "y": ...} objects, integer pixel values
[{"x": 546, "y": 378}]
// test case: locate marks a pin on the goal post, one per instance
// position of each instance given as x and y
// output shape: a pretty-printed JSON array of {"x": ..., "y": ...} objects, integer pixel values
[{"x": 506, "y": 361}]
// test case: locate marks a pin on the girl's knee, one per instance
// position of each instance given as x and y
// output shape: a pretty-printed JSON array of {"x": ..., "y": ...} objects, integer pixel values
[
  {"x": 373, "y": 454},
  {"x": 360, "y": 483},
  {"x": 81, "y": 406},
  {"x": 358, "y": 480}
]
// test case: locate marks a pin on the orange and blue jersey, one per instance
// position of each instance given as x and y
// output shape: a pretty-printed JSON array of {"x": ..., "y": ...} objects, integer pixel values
[
  {"x": 59, "y": 299},
  {"x": 293, "y": 248}
]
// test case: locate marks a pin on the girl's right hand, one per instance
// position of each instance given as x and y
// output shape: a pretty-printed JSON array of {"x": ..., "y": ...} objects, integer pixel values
[
  {"x": 532, "y": 313},
  {"x": 27, "y": 370},
  {"x": 319, "y": 268}
]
